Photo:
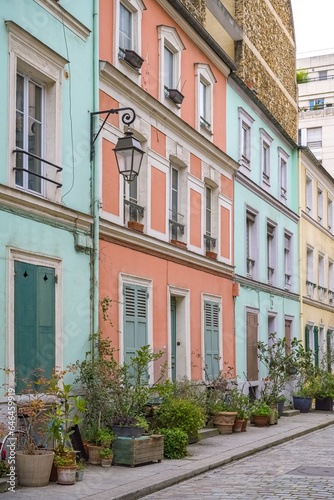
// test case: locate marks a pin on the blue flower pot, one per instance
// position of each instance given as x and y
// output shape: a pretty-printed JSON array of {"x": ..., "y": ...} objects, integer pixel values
[{"x": 302, "y": 404}]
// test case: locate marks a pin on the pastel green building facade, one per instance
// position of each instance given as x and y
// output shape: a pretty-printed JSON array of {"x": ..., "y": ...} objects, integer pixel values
[{"x": 45, "y": 211}]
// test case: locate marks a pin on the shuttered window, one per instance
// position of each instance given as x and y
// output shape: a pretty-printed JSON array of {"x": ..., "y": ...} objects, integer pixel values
[
  {"x": 316, "y": 346},
  {"x": 135, "y": 319},
  {"x": 211, "y": 339},
  {"x": 34, "y": 321},
  {"x": 307, "y": 338}
]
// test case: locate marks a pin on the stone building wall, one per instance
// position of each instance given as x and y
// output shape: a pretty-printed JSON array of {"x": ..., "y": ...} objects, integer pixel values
[
  {"x": 264, "y": 34},
  {"x": 197, "y": 9}
]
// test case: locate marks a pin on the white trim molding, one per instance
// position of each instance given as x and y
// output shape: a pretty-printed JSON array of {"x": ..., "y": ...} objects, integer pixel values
[
  {"x": 204, "y": 75},
  {"x": 182, "y": 296}
]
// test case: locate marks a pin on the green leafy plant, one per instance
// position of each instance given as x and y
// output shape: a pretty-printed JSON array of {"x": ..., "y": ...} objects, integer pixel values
[
  {"x": 182, "y": 414},
  {"x": 99, "y": 437},
  {"x": 64, "y": 460},
  {"x": 323, "y": 384},
  {"x": 302, "y": 76},
  {"x": 106, "y": 437},
  {"x": 4, "y": 468},
  {"x": 106, "y": 453},
  {"x": 240, "y": 403},
  {"x": 81, "y": 464},
  {"x": 175, "y": 443},
  {"x": 259, "y": 408}
]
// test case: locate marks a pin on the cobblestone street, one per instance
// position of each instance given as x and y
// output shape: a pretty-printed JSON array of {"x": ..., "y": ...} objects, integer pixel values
[{"x": 269, "y": 474}]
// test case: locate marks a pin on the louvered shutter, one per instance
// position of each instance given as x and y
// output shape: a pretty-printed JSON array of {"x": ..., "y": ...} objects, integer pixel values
[
  {"x": 211, "y": 339},
  {"x": 307, "y": 338},
  {"x": 135, "y": 320},
  {"x": 316, "y": 346},
  {"x": 329, "y": 350}
]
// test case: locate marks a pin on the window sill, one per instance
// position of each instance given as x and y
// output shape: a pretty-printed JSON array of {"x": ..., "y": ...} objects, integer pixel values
[
  {"x": 205, "y": 130},
  {"x": 126, "y": 64}
]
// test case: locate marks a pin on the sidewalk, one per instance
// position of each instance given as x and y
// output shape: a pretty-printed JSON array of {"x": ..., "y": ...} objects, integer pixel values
[{"x": 125, "y": 483}]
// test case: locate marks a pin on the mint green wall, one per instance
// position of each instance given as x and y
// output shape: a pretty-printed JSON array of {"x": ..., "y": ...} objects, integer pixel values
[{"x": 253, "y": 296}]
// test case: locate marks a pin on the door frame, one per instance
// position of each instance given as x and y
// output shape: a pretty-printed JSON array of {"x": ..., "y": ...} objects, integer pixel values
[
  {"x": 182, "y": 322},
  {"x": 252, "y": 310},
  {"x": 206, "y": 297},
  {"x": 36, "y": 259}
]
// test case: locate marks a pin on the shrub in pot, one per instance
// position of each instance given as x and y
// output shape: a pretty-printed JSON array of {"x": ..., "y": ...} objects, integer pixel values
[
  {"x": 97, "y": 440},
  {"x": 66, "y": 468},
  {"x": 106, "y": 456},
  {"x": 175, "y": 443},
  {"x": 324, "y": 390},
  {"x": 239, "y": 403},
  {"x": 182, "y": 414},
  {"x": 129, "y": 426},
  {"x": 280, "y": 405},
  {"x": 79, "y": 475},
  {"x": 260, "y": 412}
]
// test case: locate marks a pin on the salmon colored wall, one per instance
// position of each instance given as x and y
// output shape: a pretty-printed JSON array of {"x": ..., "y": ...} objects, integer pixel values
[
  {"x": 226, "y": 186},
  {"x": 158, "y": 200},
  {"x": 225, "y": 232},
  {"x": 115, "y": 259},
  {"x": 195, "y": 219},
  {"x": 195, "y": 166},
  {"x": 106, "y": 21},
  {"x": 158, "y": 141},
  {"x": 107, "y": 102},
  {"x": 110, "y": 179}
]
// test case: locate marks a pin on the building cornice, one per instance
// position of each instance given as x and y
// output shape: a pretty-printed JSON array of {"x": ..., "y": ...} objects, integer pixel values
[
  {"x": 267, "y": 197},
  {"x": 317, "y": 304},
  {"x": 316, "y": 224},
  {"x": 36, "y": 208},
  {"x": 264, "y": 287},
  {"x": 143, "y": 243},
  {"x": 62, "y": 15},
  {"x": 115, "y": 79}
]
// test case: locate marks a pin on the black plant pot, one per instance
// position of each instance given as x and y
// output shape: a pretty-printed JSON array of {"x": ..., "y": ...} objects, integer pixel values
[
  {"x": 175, "y": 95},
  {"x": 133, "y": 58},
  {"x": 127, "y": 431},
  {"x": 280, "y": 408},
  {"x": 302, "y": 404},
  {"x": 324, "y": 404}
]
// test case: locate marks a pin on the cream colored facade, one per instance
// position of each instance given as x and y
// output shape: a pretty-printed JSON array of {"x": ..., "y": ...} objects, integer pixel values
[{"x": 316, "y": 255}]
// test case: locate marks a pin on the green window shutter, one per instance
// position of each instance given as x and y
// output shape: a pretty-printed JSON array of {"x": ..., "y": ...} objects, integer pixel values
[
  {"x": 34, "y": 321},
  {"x": 307, "y": 338},
  {"x": 329, "y": 350},
  {"x": 316, "y": 346},
  {"x": 211, "y": 339},
  {"x": 135, "y": 320}
]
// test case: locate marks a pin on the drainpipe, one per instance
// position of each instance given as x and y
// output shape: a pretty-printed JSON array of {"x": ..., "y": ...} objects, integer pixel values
[
  {"x": 300, "y": 260},
  {"x": 94, "y": 284}
]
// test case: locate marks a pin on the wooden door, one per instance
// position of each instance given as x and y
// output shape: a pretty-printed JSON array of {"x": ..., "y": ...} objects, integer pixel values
[{"x": 252, "y": 359}]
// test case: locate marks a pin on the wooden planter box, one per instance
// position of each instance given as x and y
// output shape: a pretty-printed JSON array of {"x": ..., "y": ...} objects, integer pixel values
[{"x": 135, "y": 451}]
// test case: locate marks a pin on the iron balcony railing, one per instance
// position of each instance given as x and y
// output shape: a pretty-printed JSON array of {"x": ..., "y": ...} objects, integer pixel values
[
  {"x": 30, "y": 172},
  {"x": 133, "y": 210},
  {"x": 210, "y": 242}
]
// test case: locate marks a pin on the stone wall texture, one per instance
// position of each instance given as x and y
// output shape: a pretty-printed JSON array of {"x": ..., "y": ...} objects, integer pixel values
[
  {"x": 197, "y": 9},
  {"x": 264, "y": 32}
]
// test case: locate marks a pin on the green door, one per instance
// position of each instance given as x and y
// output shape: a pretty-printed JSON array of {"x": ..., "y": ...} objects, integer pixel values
[
  {"x": 329, "y": 350},
  {"x": 316, "y": 346},
  {"x": 173, "y": 335},
  {"x": 135, "y": 320},
  {"x": 34, "y": 321},
  {"x": 307, "y": 338},
  {"x": 211, "y": 339}
]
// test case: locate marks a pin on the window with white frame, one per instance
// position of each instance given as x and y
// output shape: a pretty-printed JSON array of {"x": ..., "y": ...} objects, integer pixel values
[
  {"x": 265, "y": 142},
  {"x": 310, "y": 271},
  {"x": 314, "y": 141},
  {"x": 245, "y": 127},
  {"x": 283, "y": 158},
  {"x": 330, "y": 281},
  {"x": 127, "y": 37},
  {"x": 35, "y": 98},
  {"x": 321, "y": 278},
  {"x": 170, "y": 51},
  {"x": 204, "y": 81},
  {"x": 320, "y": 205},
  {"x": 287, "y": 260},
  {"x": 271, "y": 253},
  {"x": 309, "y": 195},
  {"x": 251, "y": 244},
  {"x": 133, "y": 212},
  {"x": 330, "y": 214},
  {"x": 177, "y": 202},
  {"x": 210, "y": 242}
]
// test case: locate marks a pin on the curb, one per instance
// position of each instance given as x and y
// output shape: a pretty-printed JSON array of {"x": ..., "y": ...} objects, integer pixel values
[{"x": 148, "y": 490}]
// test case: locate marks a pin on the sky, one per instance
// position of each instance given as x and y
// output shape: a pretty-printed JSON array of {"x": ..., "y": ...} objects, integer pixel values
[{"x": 314, "y": 26}]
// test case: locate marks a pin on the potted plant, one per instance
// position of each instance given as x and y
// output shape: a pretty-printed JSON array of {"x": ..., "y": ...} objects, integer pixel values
[
  {"x": 223, "y": 417},
  {"x": 97, "y": 439},
  {"x": 260, "y": 412},
  {"x": 106, "y": 456},
  {"x": 66, "y": 468},
  {"x": 324, "y": 390},
  {"x": 129, "y": 426},
  {"x": 79, "y": 475},
  {"x": 280, "y": 405},
  {"x": 239, "y": 402}
]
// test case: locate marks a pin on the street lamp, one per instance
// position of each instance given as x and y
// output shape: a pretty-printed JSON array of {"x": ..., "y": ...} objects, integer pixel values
[{"x": 128, "y": 151}]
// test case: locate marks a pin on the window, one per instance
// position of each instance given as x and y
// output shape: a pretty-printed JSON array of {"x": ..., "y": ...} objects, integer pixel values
[
  {"x": 271, "y": 253},
  {"x": 310, "y": 272},
  {"x": 314, "y": 141},
  {"x": 170, "y": 50},
  {"x": 210, "y": 242},
  {"x": 135, "y": 319},
  {"x": 321, "y": 278},
  {"x": 245, "y": 124},
  {"x": 287, "y": 261},
  {"x": 211, "y": 339},
  {"x": 125, "y": 29},
  {"x": 35, "y": 98},
  {"x": 132, "y": 211},
  {"x": 323, "y": 75},
  {"x": 330, "y": 214},
  {"x": 309, "y": 195},
  {"x": 177, "y": 204},
  {"x": 283, "y": 158},
  {"x": 331, "y": 282},
  {"x": 205, "y": 80},
  {"x": 320, "y": 205},
  {"x": 29, "y": 134},
  {"x": 316, "y": 104},
  {"x": 265, "y": 141},
  {"x": 251, "y": 244}
]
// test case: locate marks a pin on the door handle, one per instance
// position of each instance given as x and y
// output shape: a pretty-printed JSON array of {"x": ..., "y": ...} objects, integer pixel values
[{"x": 178, "y": 343}]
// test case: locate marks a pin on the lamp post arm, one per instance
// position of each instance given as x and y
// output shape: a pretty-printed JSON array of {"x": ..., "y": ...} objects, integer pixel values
[{"x": 127, "y": 118}]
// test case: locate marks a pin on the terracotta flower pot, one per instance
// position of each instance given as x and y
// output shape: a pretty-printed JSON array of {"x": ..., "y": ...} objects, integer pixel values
[
  {"x": 224, "y": 421},
  {"x": 244, "y": 425},
  {"x": 260, "y": 420},
  {"x": 94, "y": 454},
  {"x": 106, "y": 462},
  {"x": 66, "y": 475},
  {"x": 238, "y": 423}
]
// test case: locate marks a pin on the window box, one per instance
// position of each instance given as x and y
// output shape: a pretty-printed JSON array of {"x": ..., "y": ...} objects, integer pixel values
[
  {"x": 175, "y": 95},
  {"x": 211, "y": 255},
  {"x": 178, "y": 243},
  {"x": 137, "y": 226},
  {"x": 133, "y": 59}
]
